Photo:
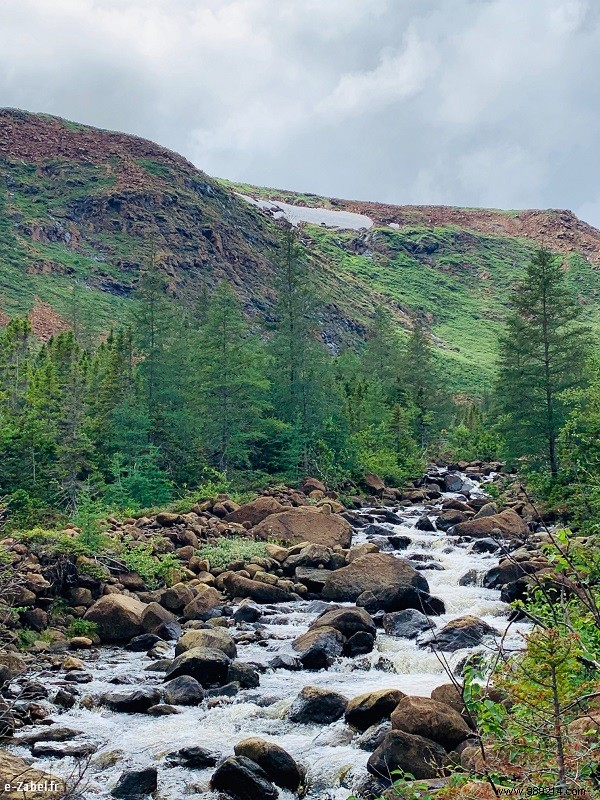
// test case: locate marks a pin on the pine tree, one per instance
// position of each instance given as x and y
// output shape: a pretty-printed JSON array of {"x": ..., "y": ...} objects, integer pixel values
[
  {"x": 420, "y": 381},
  {"x": 232, "y": 382},
  {"x": 542, "y": 353}
]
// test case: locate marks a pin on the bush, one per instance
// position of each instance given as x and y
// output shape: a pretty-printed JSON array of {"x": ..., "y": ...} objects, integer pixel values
[
  {"x": 82, "y": 627},
  {"x": 221, "y": 554}
]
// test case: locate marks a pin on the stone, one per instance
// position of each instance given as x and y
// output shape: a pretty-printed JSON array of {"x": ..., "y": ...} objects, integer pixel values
[
  {"x": 158, "y": 620},
  {"x": 208, "y": 665},
  {"x": 508, "y": 522},
  {"x": 467, "y": 631},
  {"x": 204, "y": 605},
  {"x": 431, "y": 719},
  {"x": 347, "y": 621},
  {"x": 368, "y": 709},
  {"x": 62, "y": 749},
  {"x": 371, "y": 573},
  {"x": 244, "y": 674},
  {"x": 453, "y": 482},
  {"x": 118, "y": 617},
  {"x": 142, "y": 643},
  {"x": 371, "y": 738},
  {"x": 447, "y": 519},
  {"x": 317, "y": 705},
  {"x": 215, "y": 637},
  {"x": 408, "y": 623},
  {"x": 277, "y": 763},
  {"x": 17, "y": 773},
  {"x": 305, "y": 524},
  {"x": 373, "y": 483},
  {"x": 162, "y": 710},
  {"x": 238, "y": 586},
  {"x": 359, "y": 644},
  {"x": 193, "y": 758},
  {"x": 256, "y": 511},
  {"x": 406, "y": 752},
  {"x": 177, "y": 597},
  {"x": 138, "y": 783},
  {"x": 448, "y": 693},
  {"x": 245, "y": 780},
  {"x": 183, "y": 691},
  {"x": 134, "y": 701},
  {"x": 487, "y": 510},
  {"x": 313, "y": 555},
  {"x": 247, "y": 611},
  {"x": 318, "y": 648},
  {"x": 424, "y": 524}
]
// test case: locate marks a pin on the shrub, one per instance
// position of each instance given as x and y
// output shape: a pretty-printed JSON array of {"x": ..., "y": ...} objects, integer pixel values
[{"x": 224, "y": 551}]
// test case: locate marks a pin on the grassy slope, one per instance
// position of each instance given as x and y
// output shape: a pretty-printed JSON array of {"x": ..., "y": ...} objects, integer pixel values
[{"x": 86, "y": 263}]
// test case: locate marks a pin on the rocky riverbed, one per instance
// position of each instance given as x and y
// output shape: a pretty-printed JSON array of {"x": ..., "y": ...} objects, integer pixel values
[{"x": 241, "y": 686}]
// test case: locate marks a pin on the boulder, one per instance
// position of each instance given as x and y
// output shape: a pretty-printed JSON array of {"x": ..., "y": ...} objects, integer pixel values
[
  {"x": 508, "y": 522},
  {"x": 184, "y": 691},
  {"x": 462, "y": 632},
  {"x": 314, "y": 579},
  {"x": 408, "y": 623},
  {"x": 374, "y": 736},
  {"x": 118, "y": 617},
  {"x": 277, "y": 763},
  {"x": 347, "y": 621},
  {"x": 244, "y": 674},
  {"x": 359, "y": 644},
  {"x": 487, "y": 510},
  {"x": 319, "y": 647},
  {"x": 243, "y": 779},
  {"x": 313, "y": 555},
  {"x": 209, "y": 666},
  {"x": 447, "y": 519},
  {"x": 373, "y": 483},
  {"x": 256, "y": 511},
  {"x": 424, "y": 524},
  {"x": 7, "y": 719},
  {"x": 422, "y": 716},
  {"x": 453, "y": 482},
  {"x": 15, "y": 773},
  {"x": 448, "y": 693},
  {"x": 373, "y": 572},
  {"x": 205, "y": 604},
  {"x": 305, "y": 524},
  {"x": 132, "y": 701},
  {"x": 193, "y": 758},
  {"x": 157, "y": 620},
  {"x": 416, "y": 755},
  {"x": 211, "y": 637},
  {"x": 316, "y": 705},
  {"x": 508, "y": 571},
  {"x": 309, "y": 485},
  {"x": 136, "y": 783},
  {"x": 239, "y": 586},
  {"x": 177, "y": 597},
  {"x": 368, "y": 709},
  {"x": 247, "y": 611}
]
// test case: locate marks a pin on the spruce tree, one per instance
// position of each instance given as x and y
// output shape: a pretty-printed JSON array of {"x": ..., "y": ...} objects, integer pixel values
[{"x": 542, "y": 353}]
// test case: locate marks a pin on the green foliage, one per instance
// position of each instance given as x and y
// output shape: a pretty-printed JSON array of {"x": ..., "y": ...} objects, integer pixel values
[
  {"x": 542, "y": 354},
  {"x": 154, "y": 570},
  {"x": 475, "y": 437},
  {"x": 224, "y": 551},
  {"x": 81, "y": 627}
]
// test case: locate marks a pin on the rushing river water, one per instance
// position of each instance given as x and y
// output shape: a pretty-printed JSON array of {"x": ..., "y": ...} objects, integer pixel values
[{"x": 332, "y": 760}]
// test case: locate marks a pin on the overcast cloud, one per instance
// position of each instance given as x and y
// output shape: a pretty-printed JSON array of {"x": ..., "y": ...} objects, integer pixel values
[{"x": 458, "y": 102}]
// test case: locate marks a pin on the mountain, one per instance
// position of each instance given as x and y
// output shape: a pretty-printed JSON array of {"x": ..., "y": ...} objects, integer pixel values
[{"x": 82, "y": 210}]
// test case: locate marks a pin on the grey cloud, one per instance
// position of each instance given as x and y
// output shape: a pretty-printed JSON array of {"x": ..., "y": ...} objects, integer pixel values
[{"x": 467, "y": 102}]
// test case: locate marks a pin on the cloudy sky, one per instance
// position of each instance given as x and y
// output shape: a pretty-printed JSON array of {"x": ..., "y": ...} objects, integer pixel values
[{"x": 459, "y": 102}]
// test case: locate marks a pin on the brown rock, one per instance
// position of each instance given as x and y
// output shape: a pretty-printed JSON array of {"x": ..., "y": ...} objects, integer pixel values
[
  {"x": 416, "y": 755},
  {"x": 422, "y": 716},
  {"x": 203, "y": 605},
  {"x": 215, "y": 638},
  {"x": 370, "y": 708},
  {"x": 256, "y": 511},
  {"x": 371, "y": 573},
  {"x": 305, "y": 524},
  {"x": 508, "y": 522},
  {"x": 16, "y": 773},
  {"x": 118, "y": 617}
]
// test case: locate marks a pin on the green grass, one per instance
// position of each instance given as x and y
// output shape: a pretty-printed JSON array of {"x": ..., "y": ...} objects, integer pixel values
[{"x": 225, "y": 551}]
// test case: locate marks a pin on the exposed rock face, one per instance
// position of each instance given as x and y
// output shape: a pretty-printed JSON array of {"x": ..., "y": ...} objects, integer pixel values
[
  {"x": 420, "y": 757},
  {"x": 118, "y": 617},
  {"x": 370, "y": 708},
  {"x": 243, "y": 779},
  {"x": 508, "y": 522},
  {"x": 431, "y": 719},
  {"x": 372, "y": 573},
  {"x": 277, "y": 763},
  {"x": 305, "y": 524},
  {"x": 256, "y": 511},
  {"x": 316, "y": 705}
]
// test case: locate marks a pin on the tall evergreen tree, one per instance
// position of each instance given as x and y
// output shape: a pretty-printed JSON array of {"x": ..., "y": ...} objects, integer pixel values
[
  {"x": 542, "y": 353},
  {"x": 232, "y": 382}
]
